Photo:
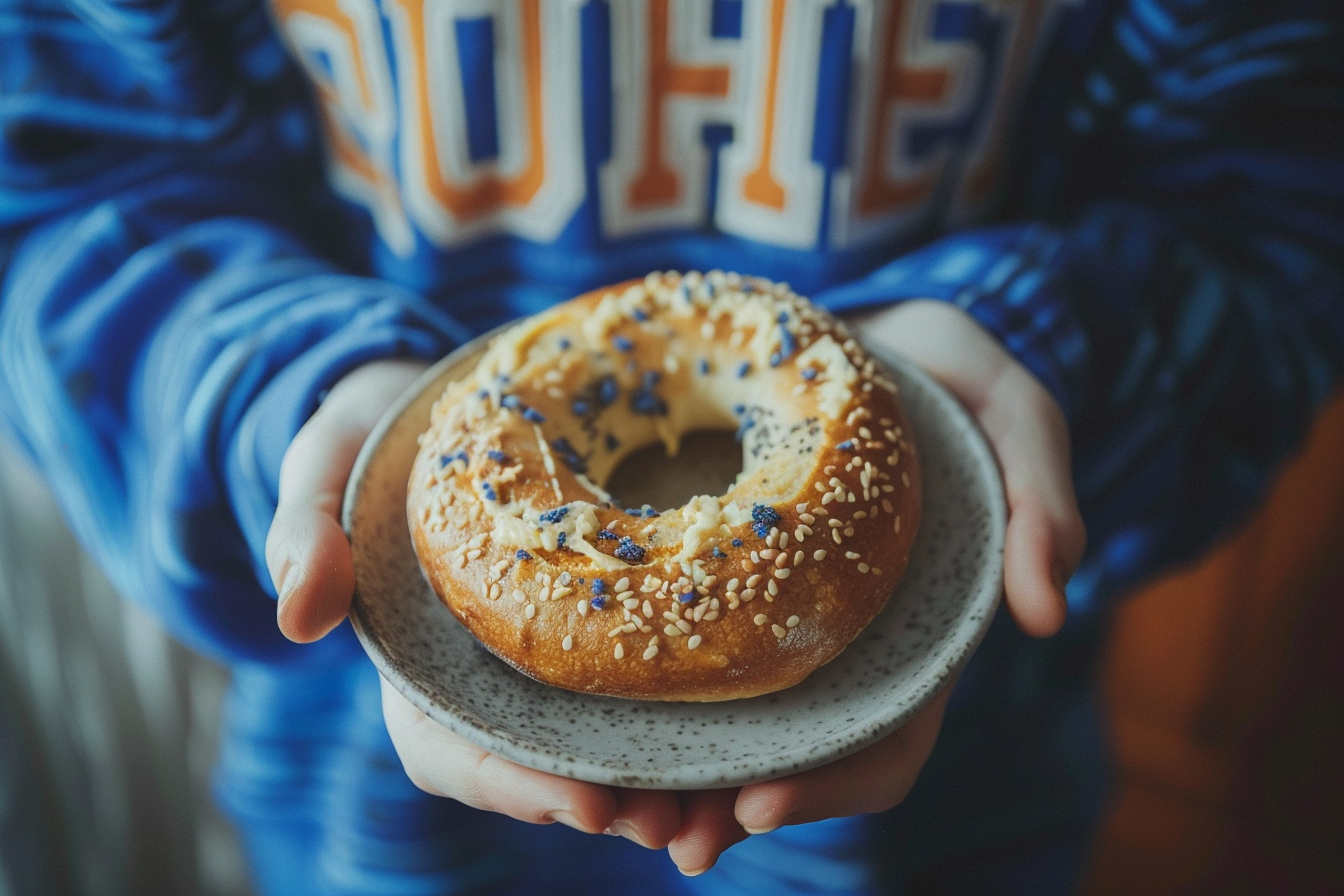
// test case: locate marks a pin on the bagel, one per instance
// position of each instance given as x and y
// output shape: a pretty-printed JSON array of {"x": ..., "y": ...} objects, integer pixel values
[{"x": 728, "y": 596}]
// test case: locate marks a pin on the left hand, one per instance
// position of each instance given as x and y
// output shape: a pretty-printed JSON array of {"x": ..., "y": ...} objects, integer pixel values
[{"x": 1043, "y": 545}]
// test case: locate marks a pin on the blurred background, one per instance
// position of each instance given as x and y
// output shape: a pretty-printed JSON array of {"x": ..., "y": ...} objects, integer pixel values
[{"x": 1224, "y": 682}]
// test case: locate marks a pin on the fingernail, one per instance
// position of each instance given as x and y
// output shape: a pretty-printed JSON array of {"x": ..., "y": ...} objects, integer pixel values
[
  {"x": 628, "y": 831},
  {"x": 288, "y": 582},
  {"x": 767, "y": 828},
  {"x": 1061, "y": 579},
  {"x": 692, "y": 873},
  {"x": 564, "y": 818}
]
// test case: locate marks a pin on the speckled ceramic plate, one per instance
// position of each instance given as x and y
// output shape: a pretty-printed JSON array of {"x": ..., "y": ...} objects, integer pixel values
[{"x": 927, "y": 631}]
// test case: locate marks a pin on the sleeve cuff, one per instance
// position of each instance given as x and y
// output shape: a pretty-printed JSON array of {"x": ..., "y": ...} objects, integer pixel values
[{"x": 1006, "y": 279}]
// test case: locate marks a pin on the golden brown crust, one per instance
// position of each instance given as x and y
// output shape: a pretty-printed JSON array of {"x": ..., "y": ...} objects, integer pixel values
[{"x": 729, "y": 596}]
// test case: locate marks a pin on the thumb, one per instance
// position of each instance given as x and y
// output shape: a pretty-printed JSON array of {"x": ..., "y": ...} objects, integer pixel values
[{"x": 306, "y": 549}]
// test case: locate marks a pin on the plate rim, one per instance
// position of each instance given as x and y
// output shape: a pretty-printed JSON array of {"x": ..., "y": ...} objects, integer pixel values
[{"x": 524, "y": 751}]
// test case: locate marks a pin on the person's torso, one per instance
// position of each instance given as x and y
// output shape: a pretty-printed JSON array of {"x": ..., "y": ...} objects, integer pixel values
[{"x": 500, "y": 145}]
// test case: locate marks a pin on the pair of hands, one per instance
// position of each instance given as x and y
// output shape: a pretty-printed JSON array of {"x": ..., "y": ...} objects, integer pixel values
[{"x": 310, "y": 561}]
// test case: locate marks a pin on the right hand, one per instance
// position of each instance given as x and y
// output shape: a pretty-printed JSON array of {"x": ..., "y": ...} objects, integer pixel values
[{"x": 311, "y": 564}]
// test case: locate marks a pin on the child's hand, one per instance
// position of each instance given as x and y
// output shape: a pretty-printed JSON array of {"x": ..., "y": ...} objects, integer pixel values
[
  {"x": 310, "y": 562},
  {"x": 1045, "y": 537},
  {"x": 1044, "y": 544}
]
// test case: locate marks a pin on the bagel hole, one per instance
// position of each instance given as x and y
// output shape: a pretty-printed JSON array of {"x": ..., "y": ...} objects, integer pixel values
[{"x": 707, "y": 462}]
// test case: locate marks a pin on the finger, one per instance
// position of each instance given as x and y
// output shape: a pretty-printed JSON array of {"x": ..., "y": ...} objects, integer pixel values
[
  {"x": 443, "y": 764},
  {"x": 306, "y": 548},
  {"x": 871, "y": 780},
  {"x": 707, "y": 829},
  {"x": 1045, "y": 537},
  {"x": 650, "y": 818}
]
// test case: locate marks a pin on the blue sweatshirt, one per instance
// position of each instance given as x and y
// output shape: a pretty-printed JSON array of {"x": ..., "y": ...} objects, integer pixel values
[{"x": 211, "y": 211}]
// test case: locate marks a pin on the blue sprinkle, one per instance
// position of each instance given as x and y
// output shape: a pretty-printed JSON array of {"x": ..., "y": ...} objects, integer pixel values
[
  {"x": 847, "y": 445},
  {"x": 509, "y": 401},
  {"x": 709, "y": 289},
  {"x": 717, "y": 554},
  {"x": 630, "y": 511},
  {"x": 737, "y": 542},
  {"x": 643, "y": 400},
  {"x": 497, "y": 455},
  {"x": 739, "y": 409},
  {"x": 704, "y": 366},
  {"x": 809, "y": 373},
  {"x": 533, "y": 415},
  {"x": 686, "y": 597},
  {"x": 489, "y": 491},
  {"x": 597, "y": 602},
  {"x": 649, "y": 512},
  {"x": 554, "y": 516},
  {"x": 560, "y": 539},
  {"x": 628, "y": 551},
  {"x": 783, "y": 317},
  {"x": 607, "y": 392},
  {"x": 743, "y": 369},
  {"x": 444, "y": 460},
  {"x": 612, "y": 442},
  {"x": 787, "y": 343},
  {"x": 640, "y": 315},
  {"x": 570, "y": 455},
  {"x": 483, "y": 394},
  {"x": 564, "y": 344},
  {"x": 599, "y": 586},
  {"x": 776, "y": 359},
  {"x": 523, "y": 555},
  {"x": 606, "y": 535},
  {"x": 761, "y": 529},
  {"x": 764, "y": 513},
  {"x": 622, "y": 343},
  {"x": 580, "y": 408}
]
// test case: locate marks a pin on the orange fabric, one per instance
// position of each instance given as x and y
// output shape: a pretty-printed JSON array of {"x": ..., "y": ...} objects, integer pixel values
[
  {"x": 878, "y": 192},
  {"x": 760, "y": 185},
  {"x": 658, "y": 183},
  {"x": 490, "y": 192},
  {"x": 1224, "y": 684}
]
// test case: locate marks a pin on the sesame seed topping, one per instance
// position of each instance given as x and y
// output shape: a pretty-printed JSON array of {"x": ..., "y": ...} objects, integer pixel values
[
  {"x": 782, "y": 573},
  {"x": 568, "y": 643},
  {"x": 819, "y": 555},
  {"x": 693, "y": 642},
  {"x": 530, "y": 610},
  {"x": 620, "y": 650},
  {"x": 792, "y": 621},
  {"x": 518, "y": 595},
  {"x": 760, "y": 619},
  {"x": 864, "y": 567}
]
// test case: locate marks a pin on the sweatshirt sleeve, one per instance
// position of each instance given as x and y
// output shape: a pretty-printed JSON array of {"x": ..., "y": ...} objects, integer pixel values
[
  {"x": 168, "y": 316},
  {"x": 1175, "y": 272}
]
